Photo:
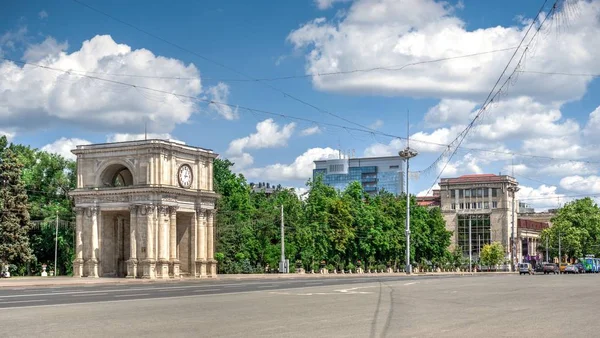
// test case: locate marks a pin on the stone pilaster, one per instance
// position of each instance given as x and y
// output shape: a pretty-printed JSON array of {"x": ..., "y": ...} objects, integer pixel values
[
  {"x": 132, "y": 263},
  {"x": 93, "y": 213},
  {"x": 201, "y": 242},
  {"x": 78, "y": 261},
  {"x": 120, "y": 250},
  {"x": 174, "y": 261},
  {"x": 147, "y": 212},
  {"x": 211, "y": 262},
  {"x": 162, "y": 268}
]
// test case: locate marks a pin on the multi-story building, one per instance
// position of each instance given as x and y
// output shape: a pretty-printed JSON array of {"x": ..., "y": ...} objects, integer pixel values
[
  {"x": 374, "y": 173},
  {"x": 485, "y": 202}
]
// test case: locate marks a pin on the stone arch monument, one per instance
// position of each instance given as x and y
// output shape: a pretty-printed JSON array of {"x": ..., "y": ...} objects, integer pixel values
[{"x": 145, "y": 209}]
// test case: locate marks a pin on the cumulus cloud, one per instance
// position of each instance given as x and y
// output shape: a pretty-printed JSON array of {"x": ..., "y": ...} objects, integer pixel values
[
  {"x": 268, "y": 135},
  {"x": 12, "y": 38},
  {"x": 43, "y": 14},
  {"x": 63, "y": 147},
  {"x": 310, "y": 131},
  {"x": 9, "y": 134},
  {"x": 577, "y": 183},
  {"x": 138, "y": 137},
  {"x": 325, "y": 4},
  {"x": 300, "y": 169},
  {"x": 428, "y": 192},
  {"x": 450, "y": 111},
  {"x": 220, "y": 94},
  {"x": 541, "y": 198},
  {"x": 49, "y": 48},
  {"x": 377, "y": 124},
  {"x": 34, "y": 97},
  {"x": 377, "y": 33}
]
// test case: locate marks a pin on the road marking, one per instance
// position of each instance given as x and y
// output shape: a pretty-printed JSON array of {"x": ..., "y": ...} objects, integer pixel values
[
  {"x": 133, "y": 295},
  {"x": 204, "y": 290},
  {"x": 24, "y": 301},
  {"x": 87, "y": 295},
  {"x": 314, "y": 283},
  {"x": 265, "y": 286}
]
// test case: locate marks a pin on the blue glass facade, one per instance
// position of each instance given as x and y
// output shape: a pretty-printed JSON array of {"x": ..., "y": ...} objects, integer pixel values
[{"x": 373, "y": 178}]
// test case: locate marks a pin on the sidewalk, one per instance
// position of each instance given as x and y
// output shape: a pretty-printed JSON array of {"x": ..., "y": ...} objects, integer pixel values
[{"x": 66, "y": 281}]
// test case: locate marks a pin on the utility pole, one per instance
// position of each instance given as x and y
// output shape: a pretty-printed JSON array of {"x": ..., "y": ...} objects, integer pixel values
[
  {"x": 559, "y": 256},
  {"x": 547, "y": 250},
  {"x": 283, "y": 268},
  {"x": 56, "y": 246},
  {"x": 479, "y": 248},
  {"x": 513, "y": 254},
  {"x": 407, "y": 154},
  {"x": 470, "y": 246}
]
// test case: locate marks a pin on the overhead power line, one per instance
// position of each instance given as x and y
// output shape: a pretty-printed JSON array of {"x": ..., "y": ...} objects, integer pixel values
[
  {"x": 452, "y": 149},
  {"x": 301, "y": 119}
]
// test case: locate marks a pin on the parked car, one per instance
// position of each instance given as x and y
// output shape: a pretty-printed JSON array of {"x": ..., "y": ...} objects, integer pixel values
[
  {"x": 562, "y": 267},
  {"x": 571, "y": 269},
  {"x": 526, "y": 268},
  {"x": 551, "y": 268},
  {"x": 580, "y": 267}
]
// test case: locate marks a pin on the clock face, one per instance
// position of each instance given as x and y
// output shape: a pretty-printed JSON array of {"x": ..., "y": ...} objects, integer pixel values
[{"x": 185, "y": 176}]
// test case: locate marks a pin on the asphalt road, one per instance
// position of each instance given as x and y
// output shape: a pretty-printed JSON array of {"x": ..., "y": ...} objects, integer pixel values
[{"x": 484, "y": 306}]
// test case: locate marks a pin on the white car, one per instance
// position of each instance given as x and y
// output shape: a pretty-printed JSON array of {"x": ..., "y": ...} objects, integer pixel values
[
  {"x": 571, "y": 269},
  {"x": 526, "y": 268}
]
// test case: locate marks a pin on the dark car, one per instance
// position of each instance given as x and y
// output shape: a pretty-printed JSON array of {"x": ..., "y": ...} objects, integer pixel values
[
  {"x": 580, "y": 267},
  {"x": 551, "y": 268}
]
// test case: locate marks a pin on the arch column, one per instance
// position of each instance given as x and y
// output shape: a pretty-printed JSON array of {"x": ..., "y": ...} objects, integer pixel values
[
  {"x": 201, "y": 262},
  {"x": 78, "y": 261},
  {"x": 132, "y": 263},
  {"x": 163, "y": 242},
  {"x": 210, "y": 245},
  {"x": 93, "y": 262},
  {"x": 174, "y": 260},
  {"x": 146, "y": 222}
]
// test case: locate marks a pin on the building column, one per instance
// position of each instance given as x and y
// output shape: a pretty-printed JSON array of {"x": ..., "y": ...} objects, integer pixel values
[
  {"x": 163, "y": 242},
  {"x": 132, "y": 263},
  {"x": 174, "y": 261},
  {"x": 193, "y": 245},
  {"x": 93, "y": 212},
  {"x": 148, "y": 220},
  {"x": 201, "y": 262},
  {"x": 119, "y": 252},
  {"x": 78, "y": 261},
  {"x": 210, "y": 248}
]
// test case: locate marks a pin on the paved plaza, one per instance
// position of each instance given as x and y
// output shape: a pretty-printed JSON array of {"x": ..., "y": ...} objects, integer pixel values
[{"x": 444, "y": 306}]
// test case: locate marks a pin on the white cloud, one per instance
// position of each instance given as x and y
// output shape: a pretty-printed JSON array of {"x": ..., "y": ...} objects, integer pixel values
[
  {"x": 541, "y": 198},
  {"x": 34, "y": 97},
  {"x": 300, "y": 169},
  {"x": 380, "y": 149},
  {"x": 220, "y": 94},
  {"x": 9, "y": 134},
  {"x": 43, "y": 14},
  {"x": 138, "y": 137},
  {"x": 450, "y": 111},
  {"x": 63, "y": 147},
  {"x": 377, "y": 33},
  {"x": 377, "y": 124},
  {"x": 325, "y": 4},
  {"x": 10, "y": 39},
  {"x": 589, "y": 184},
  {"x": 592, "y": 128},
  {"x": 428, "y": 192},
  {"x": 241, "y": 161},
  {"x": 310, "y": 131},
  {"x": 49, "y": 48},
  {"x": 268, "y": 135}
]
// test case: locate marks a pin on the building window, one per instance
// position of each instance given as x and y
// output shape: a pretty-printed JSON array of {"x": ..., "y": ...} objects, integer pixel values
[
  {"x": 468, "y": 193},
  {"x": 468, "y": 205},
  {"x": 486, "y": 205},
  {"x": 460, "y": 193},
  {"x": 394, "y": 167},
  {"x": 494, "y": 192},
  {"x": 336, "y": 167},
  {"x": 453, "y": 206},
  {"x": 494, "y": 204},
  {"x": 480, "y": 192},
  {"x": 486, "y": 192},
  {"x": 462, "y": 206},
  {"x": 480, "y": 233},
  {"x": 453, "y": 193},
  {"x": 479, "y": 205},
  {"x": 474, "y": 205}
]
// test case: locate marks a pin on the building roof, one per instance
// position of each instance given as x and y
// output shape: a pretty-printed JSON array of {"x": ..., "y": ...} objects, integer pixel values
[
  {"x": 172, "y": 144},
  {"x": 430, "y": 201},
  {"x": 532, "y": 225},
  {"x": 477, "y": 178},
  {"x": 361, "y": 158}
]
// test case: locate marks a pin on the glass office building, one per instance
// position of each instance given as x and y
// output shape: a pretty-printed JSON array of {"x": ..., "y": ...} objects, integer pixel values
[{"x": 374, "y": 173}]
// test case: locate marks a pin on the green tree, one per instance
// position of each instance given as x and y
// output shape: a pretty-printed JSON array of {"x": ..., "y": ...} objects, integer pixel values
[
  {"x": 14, "y": 217},
  {"x": 492, "y": 254}
]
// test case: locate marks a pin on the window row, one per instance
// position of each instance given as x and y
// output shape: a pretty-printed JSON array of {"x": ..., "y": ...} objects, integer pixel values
[
  {"x": 474, "y": 205},
  {"x": 477, "y": 192}
]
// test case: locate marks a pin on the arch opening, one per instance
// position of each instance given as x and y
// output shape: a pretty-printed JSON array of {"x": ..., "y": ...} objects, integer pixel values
[{"x": 116, "y": 176}]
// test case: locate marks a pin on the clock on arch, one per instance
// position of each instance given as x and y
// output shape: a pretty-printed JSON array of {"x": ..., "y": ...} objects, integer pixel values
[{"x": 185, "y": 176}]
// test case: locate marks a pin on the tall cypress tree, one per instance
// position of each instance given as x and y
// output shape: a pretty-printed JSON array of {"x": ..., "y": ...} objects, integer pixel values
[{"x": 14, "y": 217}]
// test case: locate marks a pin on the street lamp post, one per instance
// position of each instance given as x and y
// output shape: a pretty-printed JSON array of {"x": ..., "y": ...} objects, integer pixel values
[
  {"x": 407, "y": 154},
  {"x": 513, "y": 190}
]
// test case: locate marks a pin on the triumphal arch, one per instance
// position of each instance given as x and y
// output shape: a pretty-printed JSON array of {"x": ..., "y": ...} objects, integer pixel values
[{"x": 145, "y": 209}]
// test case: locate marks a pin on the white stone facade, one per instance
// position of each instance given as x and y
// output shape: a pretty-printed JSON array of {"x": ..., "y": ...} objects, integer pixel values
[{"x": 145, "y": 209}]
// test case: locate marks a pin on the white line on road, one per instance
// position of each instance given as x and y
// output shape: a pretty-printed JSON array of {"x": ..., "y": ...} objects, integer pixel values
[
  {"x": 23, "y": 301},
  {"x": 88, "y": 295},
  {"x": 314, "y": 283},
  {"x": 411, "y": 283},
  {"x": 133, "y": 295},
  {"x": 265, "y": 286},
  {"x": 204, "y": 290}
]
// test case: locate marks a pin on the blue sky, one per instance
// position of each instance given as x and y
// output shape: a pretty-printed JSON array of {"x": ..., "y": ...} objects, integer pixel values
[{"x": 538, "y": 114}]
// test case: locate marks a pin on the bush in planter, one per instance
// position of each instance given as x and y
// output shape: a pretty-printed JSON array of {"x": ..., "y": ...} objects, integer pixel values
[
  {"x": 330, "y": 267},
  {"x": 351, "y": 267},
  {"x": 381, "y": 267}
]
